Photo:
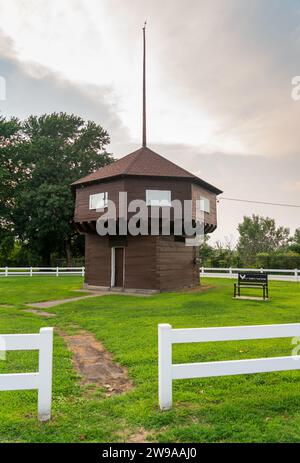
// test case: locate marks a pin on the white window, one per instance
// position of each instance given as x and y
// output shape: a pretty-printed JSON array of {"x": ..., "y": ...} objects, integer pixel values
[
  {"x": 98, "y": 201},
  {"x": 158, "y": 198},
  {"x": 205, "y": 205}
]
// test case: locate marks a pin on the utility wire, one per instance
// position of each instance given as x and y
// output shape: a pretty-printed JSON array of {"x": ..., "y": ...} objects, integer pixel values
[{"x": 259, "y": 202}]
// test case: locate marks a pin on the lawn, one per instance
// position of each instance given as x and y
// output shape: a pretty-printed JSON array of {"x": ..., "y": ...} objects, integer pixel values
[{"x": 250, "y": 408}]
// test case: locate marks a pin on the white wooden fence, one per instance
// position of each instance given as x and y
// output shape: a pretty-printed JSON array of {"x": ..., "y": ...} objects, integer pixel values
[
  {"x": 231, "y": 272},
  {"x": 274, "y": 274},
  {"x": 167, "y": 372},
  {"x": 37, "y": 271},
  {"x": 41, "y": 380}
]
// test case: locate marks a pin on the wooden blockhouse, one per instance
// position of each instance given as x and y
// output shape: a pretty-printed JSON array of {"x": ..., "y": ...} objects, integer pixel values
[{"x": 141, "y": 263}]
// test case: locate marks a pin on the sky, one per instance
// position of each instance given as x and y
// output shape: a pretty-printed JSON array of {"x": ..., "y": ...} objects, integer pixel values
[{"x": 219, "y": 85}]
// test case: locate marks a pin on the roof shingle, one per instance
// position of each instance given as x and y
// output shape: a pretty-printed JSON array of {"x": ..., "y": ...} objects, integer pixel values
[{"x": 143, "y": 162}]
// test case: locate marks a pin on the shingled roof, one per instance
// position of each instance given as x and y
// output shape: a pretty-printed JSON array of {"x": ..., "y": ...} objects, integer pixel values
[{"x": 143, "y": 162}]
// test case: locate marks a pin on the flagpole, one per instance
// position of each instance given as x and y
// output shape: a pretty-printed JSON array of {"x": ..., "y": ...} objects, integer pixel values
[{"x": 144, "y": 88}]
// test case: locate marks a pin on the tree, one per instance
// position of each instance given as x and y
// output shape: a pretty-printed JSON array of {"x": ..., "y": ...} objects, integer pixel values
[
  {"x": 260, "y": 235},
  {"x": 225, "y": 254},
  {"x": 295, "y": 242},
  {"x": 205, "y": 250},
  {"x": 10, "y": 138},
  {"x": 54, "y": 151}
]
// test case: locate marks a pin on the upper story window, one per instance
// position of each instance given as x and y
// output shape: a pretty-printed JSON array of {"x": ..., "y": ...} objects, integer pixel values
[
  {"x": 158, "y": 198},
  {"x": 98, "y": 201},
  {"x": 205, "y": 205}
]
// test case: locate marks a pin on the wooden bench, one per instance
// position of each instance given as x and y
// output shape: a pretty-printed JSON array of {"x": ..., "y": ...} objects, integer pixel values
[{"x": 252, "y": 280}]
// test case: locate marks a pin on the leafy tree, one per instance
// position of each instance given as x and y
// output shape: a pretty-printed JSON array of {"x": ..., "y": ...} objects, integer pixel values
[
  {"x": 224, "y": 254},
  {"x": 205, "y": 250},
  {"x": 219, "y": 255},
  {"x": 52, "y": 152},
  {"x": 10, "y": 138},
  {"x": 295, "y": 242},
  {"x": 260, "y": 235}
]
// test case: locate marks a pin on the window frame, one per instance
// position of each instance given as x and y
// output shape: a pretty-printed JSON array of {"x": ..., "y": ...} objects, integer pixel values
[
  {"x": 148, "y": 201},
  {"x": 104, "y": 199},
  {"x": 204, "y": 201}
]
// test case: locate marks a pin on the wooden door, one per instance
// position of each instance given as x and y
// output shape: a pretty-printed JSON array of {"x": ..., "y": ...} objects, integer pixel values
[{"x": 119, "y": 267}]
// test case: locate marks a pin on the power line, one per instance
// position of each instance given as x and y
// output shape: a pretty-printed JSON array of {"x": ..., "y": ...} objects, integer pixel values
[{"x": 259, "y": 202}]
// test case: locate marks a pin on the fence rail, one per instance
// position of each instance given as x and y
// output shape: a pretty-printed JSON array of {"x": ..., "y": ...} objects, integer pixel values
[
  {"x": 231, "y": 272},
  {"x": 41, "y": 380},
  {"x": 167, "y": 372},
  {"x": 213, "y": 272},
  {"x": 37, "y": 271}
]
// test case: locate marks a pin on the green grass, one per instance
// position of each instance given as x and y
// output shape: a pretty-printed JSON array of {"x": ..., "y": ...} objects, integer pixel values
[
  {"x": 248, "y": 408},
  {"x": 23, "y": 290}
]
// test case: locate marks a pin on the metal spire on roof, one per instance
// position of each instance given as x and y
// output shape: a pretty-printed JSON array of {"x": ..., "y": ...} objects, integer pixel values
[{"x": 144, "y": 88}]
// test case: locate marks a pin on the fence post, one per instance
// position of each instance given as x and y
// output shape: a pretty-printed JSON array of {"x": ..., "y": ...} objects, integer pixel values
[
  {"x": 6, "y": 271},
  {"x": 230, "y": 272},
  {"x": 45, "y": 374},
  {"x": 82, "y": 271},
  {"x": 165, "y": 366},
  {"x": 31, "y": 271},
  {"x": 57, "y": 271},
  {"x": 296, "y": 274}
]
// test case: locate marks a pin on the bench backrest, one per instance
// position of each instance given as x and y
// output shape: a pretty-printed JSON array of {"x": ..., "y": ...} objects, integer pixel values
[{"x": 252, "y": 278}]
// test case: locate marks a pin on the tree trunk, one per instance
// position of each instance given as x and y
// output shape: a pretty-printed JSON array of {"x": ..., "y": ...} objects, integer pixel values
[{"x": 68, "y": 251}]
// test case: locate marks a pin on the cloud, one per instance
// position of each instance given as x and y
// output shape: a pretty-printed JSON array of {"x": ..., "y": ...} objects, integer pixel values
[
  {"x": 219, "y": 73},
  {"x": 34, "y": 89},
  {"x": 233, "y": 62}
]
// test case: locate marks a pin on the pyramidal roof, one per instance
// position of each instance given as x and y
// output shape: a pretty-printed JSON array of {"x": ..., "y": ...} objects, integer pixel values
[{"x": 143, "y": 162}]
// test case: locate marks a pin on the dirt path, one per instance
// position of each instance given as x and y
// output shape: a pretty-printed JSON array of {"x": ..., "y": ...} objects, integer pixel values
[
  {"x": 140, "y": 437},
  {"x": 91, "y": 360},
  {"x": 95, "y": 364}
]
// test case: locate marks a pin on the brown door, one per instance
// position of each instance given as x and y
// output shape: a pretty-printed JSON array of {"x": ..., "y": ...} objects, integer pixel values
[{"x": 119, "y": 267}]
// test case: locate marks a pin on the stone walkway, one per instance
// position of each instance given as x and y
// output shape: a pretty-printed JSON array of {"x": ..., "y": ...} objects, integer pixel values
[{"x": 48, "y": 304}]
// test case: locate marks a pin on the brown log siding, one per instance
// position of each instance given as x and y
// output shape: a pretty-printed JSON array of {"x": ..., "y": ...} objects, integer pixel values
[
  {"x": 97, "y": 260},
  {"x": 175, "y": 265},
  {"x": 151, "y": 262},
  {"x": 136, "y": 189}
]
